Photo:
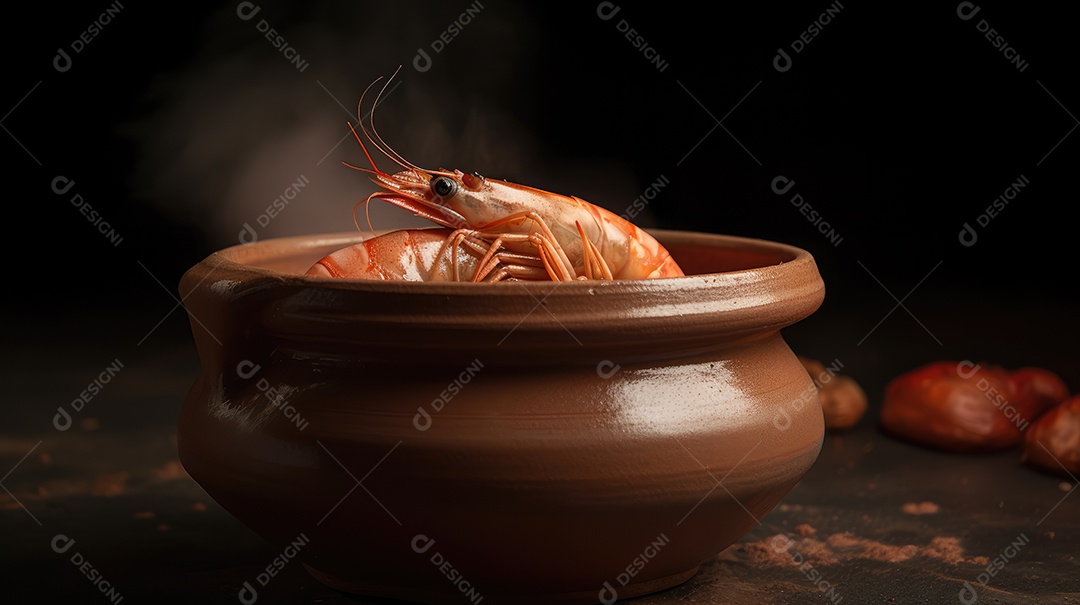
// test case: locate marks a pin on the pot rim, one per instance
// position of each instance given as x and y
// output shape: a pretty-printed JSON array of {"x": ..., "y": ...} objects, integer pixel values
[
  {"x": 233, "y": 257},
  {"x": 671, "y": 316}
]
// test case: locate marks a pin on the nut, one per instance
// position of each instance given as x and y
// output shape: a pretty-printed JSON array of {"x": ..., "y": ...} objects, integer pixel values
[
  {"x": 844, "y": 403},
  {"x": 1053, "y": 441},
  {"x": 1035, "y": 390},
  {"x": 955, "y": 406},
  {"x": 814, "y": 368},
  {"x": 842, "y": 399}
]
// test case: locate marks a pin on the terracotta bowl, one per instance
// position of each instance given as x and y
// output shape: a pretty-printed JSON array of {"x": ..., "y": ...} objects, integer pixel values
[{"x": 511, "y": 442}]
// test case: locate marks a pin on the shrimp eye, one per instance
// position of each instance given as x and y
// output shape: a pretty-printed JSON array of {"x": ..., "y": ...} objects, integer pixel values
[
  {"x": 473, "y": 181},
  {"x": 444, "y": 186}
]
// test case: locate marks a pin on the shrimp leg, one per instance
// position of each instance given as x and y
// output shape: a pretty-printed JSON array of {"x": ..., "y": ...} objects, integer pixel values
[
  {"x": 497, "y": 263},
  {"x": 506, "y": 264},
  {"x": 548, "y": 248},
  {"x": 594, "y": 261},
  {"x": 556, "y": 270},
  {"x": 519, "y": 272}
]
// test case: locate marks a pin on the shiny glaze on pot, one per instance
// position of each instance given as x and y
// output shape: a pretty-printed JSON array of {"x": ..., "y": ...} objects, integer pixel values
[{"x": 509, "y": 442}]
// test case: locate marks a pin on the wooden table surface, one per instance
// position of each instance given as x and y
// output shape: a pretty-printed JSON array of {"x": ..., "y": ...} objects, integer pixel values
[{"x": 875, "y": 520}]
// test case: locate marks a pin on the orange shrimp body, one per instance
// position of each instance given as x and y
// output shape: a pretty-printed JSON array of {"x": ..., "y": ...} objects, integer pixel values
[
  {"x": 408, "y": 255},
  {"x": 571, "y": 238},
  {"x": 420, "y": 255},
  {"x": 524, "y": 233}
]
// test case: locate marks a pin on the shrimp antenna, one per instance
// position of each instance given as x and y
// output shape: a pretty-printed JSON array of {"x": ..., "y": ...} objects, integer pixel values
[
  {"x": 356, "y": 222},
  {"x": 389, "y": 151},
  {"x": 377, "y": 140},
  {"x": 375, "y": 169},
  {"x": 360, "y": 121},
  {"x": 367, "y": 215}
]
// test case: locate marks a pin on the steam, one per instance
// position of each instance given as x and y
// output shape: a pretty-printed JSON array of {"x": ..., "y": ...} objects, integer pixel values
[{"x": 250, "y": 136}]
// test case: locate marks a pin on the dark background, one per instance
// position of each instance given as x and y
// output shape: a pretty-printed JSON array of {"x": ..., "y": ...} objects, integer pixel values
[
  {"x": 897, "y": 125},
  {"x": 181, "y": 123}
]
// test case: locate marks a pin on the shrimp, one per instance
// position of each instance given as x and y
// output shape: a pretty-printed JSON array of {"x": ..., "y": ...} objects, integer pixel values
[
  {"x": 544, "y": 235},
  {"x": 417, "y": 255}
]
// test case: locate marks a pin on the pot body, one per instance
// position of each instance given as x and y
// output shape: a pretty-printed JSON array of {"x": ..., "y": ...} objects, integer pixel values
[{"x": 501, "y": 442}]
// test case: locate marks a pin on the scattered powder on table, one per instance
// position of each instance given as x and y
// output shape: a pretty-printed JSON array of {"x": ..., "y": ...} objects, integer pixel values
[
  {"x": 782, "y": 550},
  {"x": 110, "y": 484},
  {"x": 172, "y": 470},
  {"x": 920, "y": 508},
  {"x": 814, "y": 550},
  {"x": 778, "y": 551},
  {"x": 950, "y": 551},
  {"x": 861, "y": 548},
  {"x": 804, "y": 530}
]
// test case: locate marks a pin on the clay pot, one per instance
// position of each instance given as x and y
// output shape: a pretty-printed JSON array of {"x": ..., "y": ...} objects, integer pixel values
[{"x": 511, "y": 442}]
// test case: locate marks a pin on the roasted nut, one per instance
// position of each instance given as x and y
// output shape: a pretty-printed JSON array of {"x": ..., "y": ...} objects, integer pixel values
[
  {"x": 813, "y": 367},
  {"x": 842, "y": 399},
  {"x": 844, "y": 403},
  {"x": 1035, "y": 390},
  {"x": 1053, "y": 441},
  {"x": 956, "y": 406}
]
